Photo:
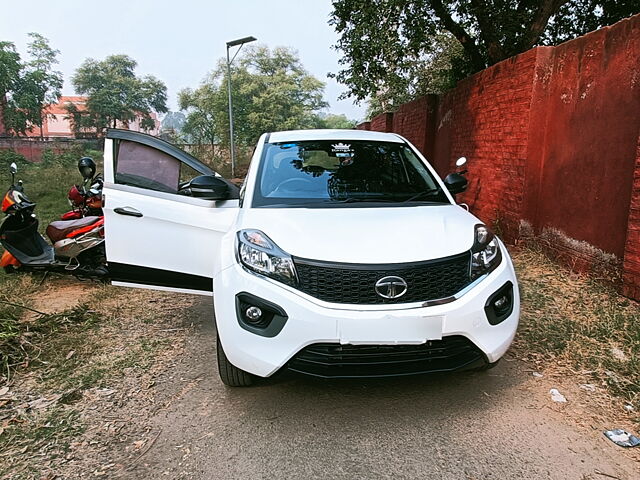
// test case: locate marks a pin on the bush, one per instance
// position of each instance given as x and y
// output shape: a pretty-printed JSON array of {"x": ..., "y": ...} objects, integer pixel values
[
  {"x": 65, "y": 158},
  {"x": 7, "y": 157}
]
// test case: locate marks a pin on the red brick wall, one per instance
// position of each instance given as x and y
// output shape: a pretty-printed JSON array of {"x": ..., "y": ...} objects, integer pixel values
[
  {"x": 415, "y": 121},
  {"x": 551, "y": 138},
  {"x": 486, "y": 119},
  {"x": 382, "y": 123},
  {"x": 32, "y": 150},
  {"x": 588, "y": 104},
  {"x": 631, "y": 266}
]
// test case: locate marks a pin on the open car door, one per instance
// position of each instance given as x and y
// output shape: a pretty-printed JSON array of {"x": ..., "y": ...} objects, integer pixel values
[{"x": 155, "y": 235}]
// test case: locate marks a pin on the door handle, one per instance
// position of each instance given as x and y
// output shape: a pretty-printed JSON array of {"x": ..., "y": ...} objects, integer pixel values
[{"x": 132, "y": 212}]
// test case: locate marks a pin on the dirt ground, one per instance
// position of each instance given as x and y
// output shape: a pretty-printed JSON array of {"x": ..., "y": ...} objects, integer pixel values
[{"x": 161, "y": 412}]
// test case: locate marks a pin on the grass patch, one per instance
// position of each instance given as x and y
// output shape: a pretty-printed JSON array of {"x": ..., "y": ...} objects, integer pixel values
[
  {"x": 570, "y": 320},
  {"x": 22, "y": 342},
  {"x": 51, "y": 430},
  {"x": 47, "y": 184}
]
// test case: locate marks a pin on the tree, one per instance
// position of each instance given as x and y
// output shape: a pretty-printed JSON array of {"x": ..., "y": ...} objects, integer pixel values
[
  {"x": 335, "y": 121},
  {"x": 115, "y": 94},
  {"x": 40, "y": 86},
  {"x": 205, "y": 109},
  {"x": 385, "y": 42},
  {"x": 10, "y": 68},
  {"x": 271, "y": 91},
  {"x": 28, "y": 88}
]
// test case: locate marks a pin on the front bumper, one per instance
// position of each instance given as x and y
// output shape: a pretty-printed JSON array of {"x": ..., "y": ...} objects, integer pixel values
[{"x": 311, "y": 321}]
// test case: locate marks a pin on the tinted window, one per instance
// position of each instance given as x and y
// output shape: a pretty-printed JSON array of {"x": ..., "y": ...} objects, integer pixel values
[
  {"x": 330, "y": 173},
  {"x": 146, "y": 167}
]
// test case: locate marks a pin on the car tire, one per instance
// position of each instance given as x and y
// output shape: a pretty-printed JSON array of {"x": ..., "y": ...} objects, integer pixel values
[{"x": 231, "y": 375}]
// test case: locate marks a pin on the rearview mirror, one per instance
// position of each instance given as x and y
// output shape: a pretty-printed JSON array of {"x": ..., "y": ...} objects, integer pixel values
[
  {"x": 207, "y": 187},
  {"x": 455, "y": 183},
  {"x": 13, "y": 168}
]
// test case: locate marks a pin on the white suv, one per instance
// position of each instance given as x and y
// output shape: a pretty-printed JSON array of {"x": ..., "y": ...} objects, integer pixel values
[{"x": 343, "y": 255}]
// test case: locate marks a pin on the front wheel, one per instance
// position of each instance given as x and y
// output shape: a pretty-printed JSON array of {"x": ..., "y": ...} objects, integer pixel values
[{"x": 231, "y": 375}]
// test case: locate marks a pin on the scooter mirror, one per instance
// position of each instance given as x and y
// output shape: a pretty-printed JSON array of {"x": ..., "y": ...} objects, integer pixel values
[{"x": 13, "y": 168}]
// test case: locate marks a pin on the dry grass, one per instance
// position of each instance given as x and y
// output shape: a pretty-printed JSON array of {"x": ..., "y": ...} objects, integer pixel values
[
  {"x": 574, "y": 324},
  {"x": 79, "y": 370}
]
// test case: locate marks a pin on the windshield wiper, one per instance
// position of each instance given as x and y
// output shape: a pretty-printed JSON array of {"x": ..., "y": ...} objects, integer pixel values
[
  {"x": 422, "y": 194},
  {"x": 358, "y": 199}
]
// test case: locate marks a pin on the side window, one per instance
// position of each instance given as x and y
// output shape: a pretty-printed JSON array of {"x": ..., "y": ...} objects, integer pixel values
[
  {"x": 146, "y": 167},
  {"x": 187, "y": 173}
]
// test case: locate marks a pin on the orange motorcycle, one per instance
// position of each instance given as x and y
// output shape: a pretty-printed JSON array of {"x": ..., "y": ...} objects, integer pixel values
[{"x": 77, "y": 245}]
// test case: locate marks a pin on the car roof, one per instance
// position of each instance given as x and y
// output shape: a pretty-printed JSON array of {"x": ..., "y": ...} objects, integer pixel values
[{"x": 338, "y": 134}]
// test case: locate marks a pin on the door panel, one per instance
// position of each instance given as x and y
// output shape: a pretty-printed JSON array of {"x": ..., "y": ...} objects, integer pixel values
[
  {"x": 153, "y": 237},
  {"x": 167, "y": 242}
]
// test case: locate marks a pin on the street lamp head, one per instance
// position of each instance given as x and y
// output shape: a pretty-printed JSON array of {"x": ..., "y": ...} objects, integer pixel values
[{"x": 240, "y": 41}]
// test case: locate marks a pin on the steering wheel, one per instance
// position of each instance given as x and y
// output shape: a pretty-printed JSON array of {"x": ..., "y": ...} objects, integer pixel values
[{"x": 304, "y": 181}]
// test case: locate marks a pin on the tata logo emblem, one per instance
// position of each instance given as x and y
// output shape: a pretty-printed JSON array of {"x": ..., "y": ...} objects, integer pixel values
[{"x": 391, "y": 287}]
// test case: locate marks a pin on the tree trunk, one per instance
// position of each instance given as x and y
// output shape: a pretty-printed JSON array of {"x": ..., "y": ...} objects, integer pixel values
[
  {"x": 469, "y": 45},
  {"x": 3, "y": 104},
  {"x": 546, "y": 9}
]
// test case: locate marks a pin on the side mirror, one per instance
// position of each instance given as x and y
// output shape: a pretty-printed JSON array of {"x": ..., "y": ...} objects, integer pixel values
[
  {"x": 455, "y": 183},
  {"x": 207, "y": 187},
  {"x": 13, "y": 168}
]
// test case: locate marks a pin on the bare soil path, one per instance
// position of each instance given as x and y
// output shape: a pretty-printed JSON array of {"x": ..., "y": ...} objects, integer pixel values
[
  {"x": 150, "y": 405},
  {"x": 499, "y": 424}
]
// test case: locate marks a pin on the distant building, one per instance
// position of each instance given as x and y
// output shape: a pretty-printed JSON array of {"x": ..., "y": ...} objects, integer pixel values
[{"x": 57, "y": 123}]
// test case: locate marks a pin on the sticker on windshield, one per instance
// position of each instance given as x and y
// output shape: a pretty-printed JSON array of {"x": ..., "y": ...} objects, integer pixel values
[
  {"x": 343, "y": 152},
  {"x": 341, "y": 147}
]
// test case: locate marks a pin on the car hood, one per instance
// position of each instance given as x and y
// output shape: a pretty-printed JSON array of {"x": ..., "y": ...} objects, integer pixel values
[{"x": 366, "y": 235}]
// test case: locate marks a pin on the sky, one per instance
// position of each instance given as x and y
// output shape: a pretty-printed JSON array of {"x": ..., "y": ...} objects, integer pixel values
[{"x": 178, "y": 41}]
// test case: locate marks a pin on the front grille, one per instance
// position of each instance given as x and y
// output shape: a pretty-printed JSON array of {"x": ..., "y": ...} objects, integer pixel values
[
  {"x": 329, "y": 360},
  {"x": 355, "y": 283}
]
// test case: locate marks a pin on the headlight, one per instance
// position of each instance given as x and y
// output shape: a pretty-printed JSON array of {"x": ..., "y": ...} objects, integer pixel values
[
  {"x": 485, "y": 253},
  {"x": 258, "y": 253}
]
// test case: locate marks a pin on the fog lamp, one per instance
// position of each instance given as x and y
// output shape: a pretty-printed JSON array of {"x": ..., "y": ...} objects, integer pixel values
[
  {"x": 253, "y": 314},
  {"x": 501, "y": 302}
]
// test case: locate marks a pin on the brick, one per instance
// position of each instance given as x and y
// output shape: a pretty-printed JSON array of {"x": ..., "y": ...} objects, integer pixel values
[{"x": 524, "y": 142}]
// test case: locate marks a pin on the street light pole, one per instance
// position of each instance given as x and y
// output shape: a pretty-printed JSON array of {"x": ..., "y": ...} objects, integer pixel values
[{"x": 233, "y": 43}]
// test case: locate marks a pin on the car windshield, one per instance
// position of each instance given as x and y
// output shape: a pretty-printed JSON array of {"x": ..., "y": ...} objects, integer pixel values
[{"x": 334, "y": 173}]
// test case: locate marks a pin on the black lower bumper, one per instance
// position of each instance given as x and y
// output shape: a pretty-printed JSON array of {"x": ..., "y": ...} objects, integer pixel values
[{"x": 330, "y": 360}]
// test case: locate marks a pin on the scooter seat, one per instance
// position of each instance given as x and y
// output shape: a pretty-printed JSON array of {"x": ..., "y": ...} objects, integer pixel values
[{"x": 60, "y": 229}]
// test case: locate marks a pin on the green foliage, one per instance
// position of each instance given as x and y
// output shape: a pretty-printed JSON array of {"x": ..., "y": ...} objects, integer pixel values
[
  {"x": 7, "y": 157},
  {"x": 42, "y": 86},
  {"x": 10, "y": 81},
  {"x": 115, "y": 94},
  {"x": 400, "y": 49},
  {"x": 26, "y": 89},
  {"x": 335, "y": 121},
  {"x": 47, "y": 183},
  {"x": 271, "y": 91},
  {"x": 9, "y": 68},
  {"x": 577, "y": 17}
]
